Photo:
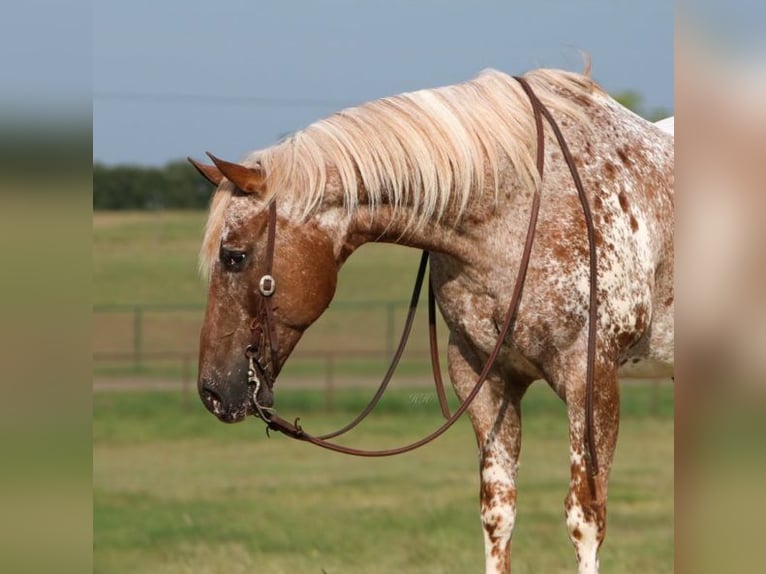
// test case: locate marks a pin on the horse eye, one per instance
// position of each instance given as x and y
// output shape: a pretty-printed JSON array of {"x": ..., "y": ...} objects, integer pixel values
[{"x": 232, "y": 260}]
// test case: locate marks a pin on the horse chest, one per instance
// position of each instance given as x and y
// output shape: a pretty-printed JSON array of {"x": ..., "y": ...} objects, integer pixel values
[
  {"x": 469, "y": 314},
  {"x": 474, "y": 315}
]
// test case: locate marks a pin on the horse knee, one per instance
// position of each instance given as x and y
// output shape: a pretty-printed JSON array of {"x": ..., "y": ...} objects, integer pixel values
[
  {"x": 583, "y": 526},
  {"x": 498, "y": 521},
  {"x": 498, "y": 509}
]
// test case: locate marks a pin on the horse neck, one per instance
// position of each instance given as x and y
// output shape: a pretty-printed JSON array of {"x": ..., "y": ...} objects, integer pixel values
[
  {"x": 450, "y": 235},
  {"x": 381, "y": 225}
]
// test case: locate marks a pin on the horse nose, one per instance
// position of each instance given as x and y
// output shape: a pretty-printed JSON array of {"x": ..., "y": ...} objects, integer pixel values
[
  {"x": 228, "y": 400},
  {"x": 211, "y": 399}
]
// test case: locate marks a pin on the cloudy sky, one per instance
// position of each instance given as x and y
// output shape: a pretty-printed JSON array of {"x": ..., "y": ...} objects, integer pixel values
[{"x": 178, "y": 77}]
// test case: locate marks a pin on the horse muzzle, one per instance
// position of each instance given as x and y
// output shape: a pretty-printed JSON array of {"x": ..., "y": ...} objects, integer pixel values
[{"x": 230, "y": 402}]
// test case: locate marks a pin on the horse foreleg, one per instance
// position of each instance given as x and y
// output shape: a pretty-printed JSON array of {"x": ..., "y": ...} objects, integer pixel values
[
  {"x": 499, "y": 455},
  {"x": 496, "y": 418},
  {"x": 585, "y": 504}
]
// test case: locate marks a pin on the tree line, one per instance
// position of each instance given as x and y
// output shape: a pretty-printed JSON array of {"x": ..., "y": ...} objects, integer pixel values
[{"x": 177, "y": 185}]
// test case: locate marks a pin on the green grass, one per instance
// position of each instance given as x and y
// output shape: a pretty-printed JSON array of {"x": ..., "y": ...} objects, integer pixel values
[
  {"x": 175, "y": 491},
  {"x": 147, "y": 258}
]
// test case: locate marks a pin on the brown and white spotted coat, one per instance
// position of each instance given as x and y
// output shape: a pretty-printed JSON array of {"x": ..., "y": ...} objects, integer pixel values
[{"x": 626, "y": 165}]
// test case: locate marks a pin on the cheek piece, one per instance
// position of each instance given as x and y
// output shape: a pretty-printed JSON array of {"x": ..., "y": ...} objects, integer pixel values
[{"x": 261, "y": 353}]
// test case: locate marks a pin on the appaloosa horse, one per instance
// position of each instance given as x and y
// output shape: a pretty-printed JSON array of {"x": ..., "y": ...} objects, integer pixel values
[{"x": 453, "y": 171}]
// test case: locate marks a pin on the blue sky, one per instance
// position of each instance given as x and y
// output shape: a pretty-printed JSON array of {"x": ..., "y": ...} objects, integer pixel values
[{"x": 173, "y": 78}]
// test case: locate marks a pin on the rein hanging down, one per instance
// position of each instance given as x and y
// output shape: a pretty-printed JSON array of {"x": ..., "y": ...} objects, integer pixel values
[{"x": 266, "y": 340}]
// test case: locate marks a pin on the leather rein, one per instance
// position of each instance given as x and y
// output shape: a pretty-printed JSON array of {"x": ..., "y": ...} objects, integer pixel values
[{"x": 264, "y": 336}]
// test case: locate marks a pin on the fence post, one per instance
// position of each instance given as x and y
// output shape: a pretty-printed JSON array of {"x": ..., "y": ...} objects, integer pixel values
[{"x": 138, "y": 314}]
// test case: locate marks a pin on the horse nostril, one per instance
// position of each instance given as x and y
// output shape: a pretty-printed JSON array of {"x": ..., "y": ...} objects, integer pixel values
[{"x": 211, "y": 399}]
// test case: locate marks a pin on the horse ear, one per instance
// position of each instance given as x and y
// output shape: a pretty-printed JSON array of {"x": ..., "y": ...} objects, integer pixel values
[
  {"x": 248, "y": 179},
  {"x": 209, "y": 172}
]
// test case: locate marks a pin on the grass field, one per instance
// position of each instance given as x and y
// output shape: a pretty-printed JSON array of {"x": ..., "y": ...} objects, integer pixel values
[{"x": 177, "y": 492}]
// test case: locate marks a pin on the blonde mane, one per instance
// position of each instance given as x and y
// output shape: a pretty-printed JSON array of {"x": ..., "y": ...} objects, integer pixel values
[{"x": 423, "y": 151}]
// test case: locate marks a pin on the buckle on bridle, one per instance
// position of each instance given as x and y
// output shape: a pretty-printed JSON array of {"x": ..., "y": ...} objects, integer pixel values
[{"x": 267, "y": 285}]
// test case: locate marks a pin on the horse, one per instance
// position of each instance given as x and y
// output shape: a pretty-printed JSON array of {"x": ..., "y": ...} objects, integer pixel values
[
  {"x": 452, "y": 171},
  {"x": 667, "y": 125}
]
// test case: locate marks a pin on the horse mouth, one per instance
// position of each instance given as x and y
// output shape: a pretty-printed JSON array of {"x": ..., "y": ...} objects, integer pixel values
[
  {"x": 223, "y": 414},
  {"x": 257, "y": 404},
  {"x": 260, "y": 383},
  {"x": 234, "y": 403},
  {"x": 261, "y": 400}
]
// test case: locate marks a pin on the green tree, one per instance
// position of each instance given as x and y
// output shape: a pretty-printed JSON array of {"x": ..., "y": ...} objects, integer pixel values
[
  {"x": 174, "y": 186},
  {"x": 634, "y": 101}
]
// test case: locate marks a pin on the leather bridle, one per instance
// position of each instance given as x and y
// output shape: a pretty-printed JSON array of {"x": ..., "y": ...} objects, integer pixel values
[{"x": 261, "y": 369}]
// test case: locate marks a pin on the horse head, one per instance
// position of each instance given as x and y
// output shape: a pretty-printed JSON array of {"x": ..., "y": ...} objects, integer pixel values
[{"x": 263, "y": 291}]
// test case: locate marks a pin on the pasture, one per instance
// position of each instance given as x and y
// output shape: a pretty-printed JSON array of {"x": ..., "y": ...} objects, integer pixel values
[{"x": 176, "y": 491}]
